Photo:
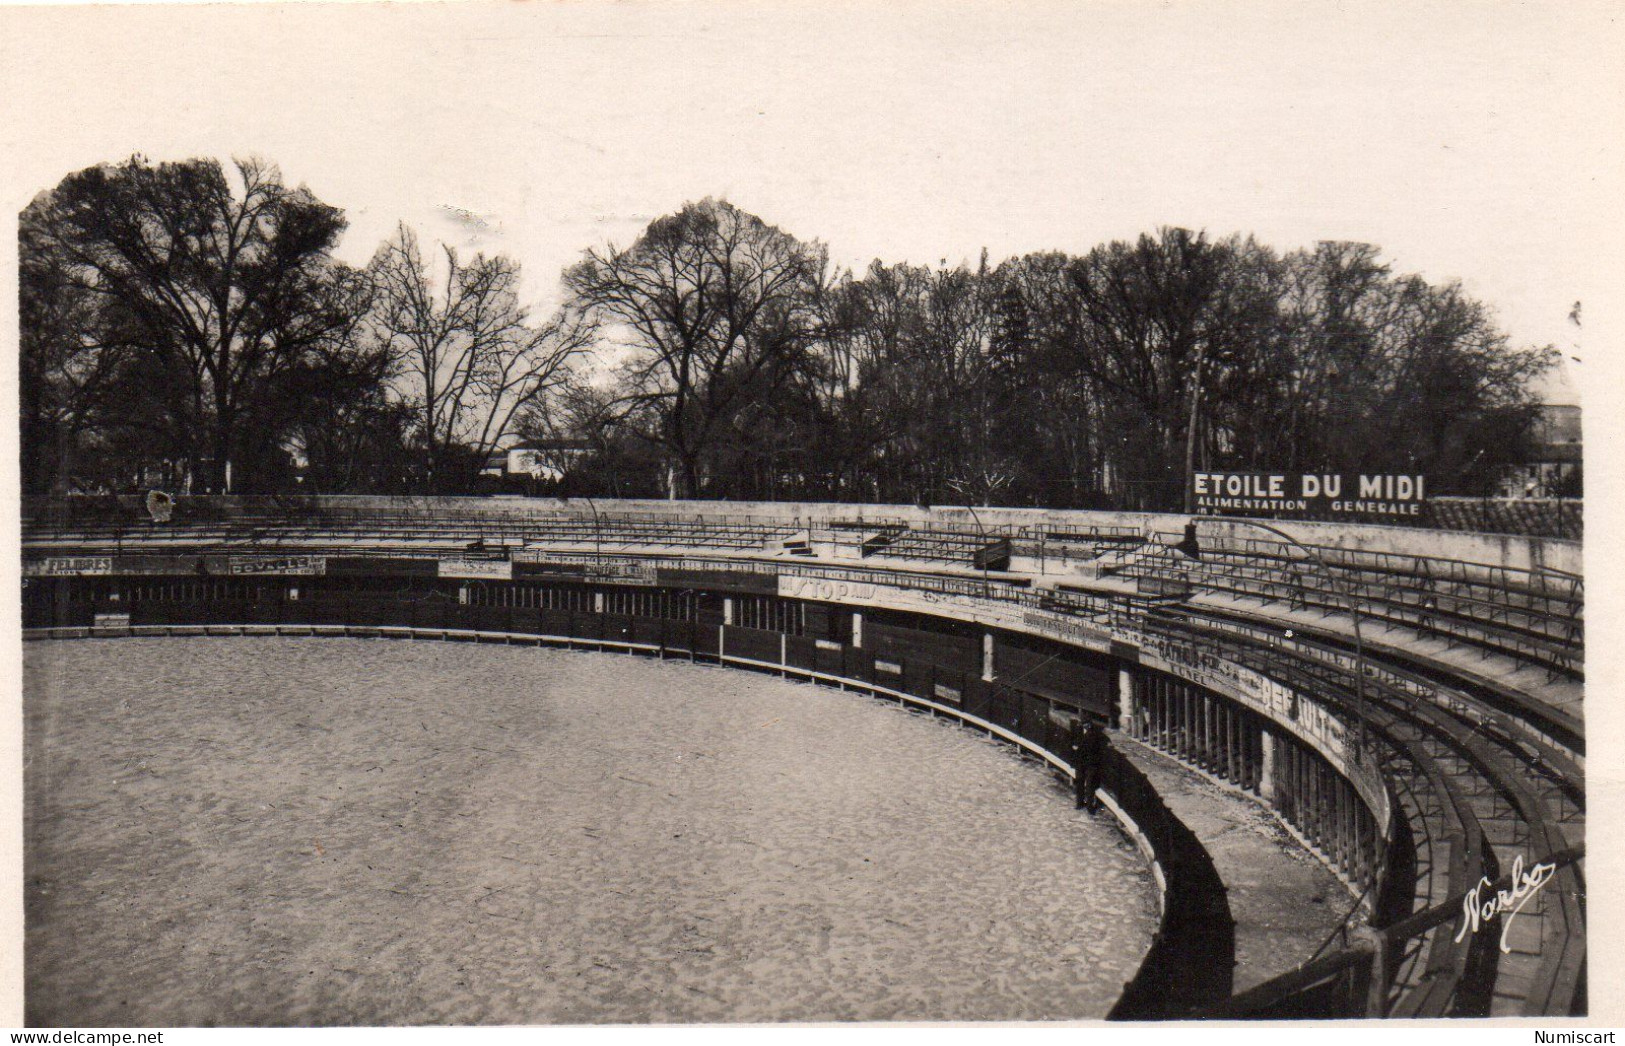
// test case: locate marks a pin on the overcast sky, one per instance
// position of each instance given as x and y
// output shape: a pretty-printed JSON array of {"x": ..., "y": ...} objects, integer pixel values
[{"x": 1464, "y": 140}]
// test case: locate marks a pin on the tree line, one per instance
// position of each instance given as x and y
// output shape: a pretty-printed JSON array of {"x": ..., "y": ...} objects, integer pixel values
[{"x": 186, "y": 325}]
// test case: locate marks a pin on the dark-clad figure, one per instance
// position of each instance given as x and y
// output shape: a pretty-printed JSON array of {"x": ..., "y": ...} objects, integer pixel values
[{"x": 1091, "y": 766}]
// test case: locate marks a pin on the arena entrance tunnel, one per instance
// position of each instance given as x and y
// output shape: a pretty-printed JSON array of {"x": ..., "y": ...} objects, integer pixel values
[{"x": 1417, "y": 770}]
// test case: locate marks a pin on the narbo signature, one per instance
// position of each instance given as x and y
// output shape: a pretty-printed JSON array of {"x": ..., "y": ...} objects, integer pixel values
[{"x": 1477, "y": 910}]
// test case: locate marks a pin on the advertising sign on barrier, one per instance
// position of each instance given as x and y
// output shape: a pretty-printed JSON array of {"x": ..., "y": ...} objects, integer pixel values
[
  {"x": 1308, "y": 495},
  {"x": 828, "y": 590},
  {"x": 1068, "y": 630},
  {"x": 837, "y": 585},
  {"x": 491, "y": 569},
  {"x": 68, "y": 566},
  {"x": 533, "y": 564},
  {"x": 297, "y": 565}
]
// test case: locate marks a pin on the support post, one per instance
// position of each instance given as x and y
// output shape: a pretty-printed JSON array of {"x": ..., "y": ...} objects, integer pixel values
[
  {"x": 1376, "y": 1000},
  {"x": 1266, "y": 772}
]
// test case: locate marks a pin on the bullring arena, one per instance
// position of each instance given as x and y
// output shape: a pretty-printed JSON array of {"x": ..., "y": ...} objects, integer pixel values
[{"x": 1320, "y": 740}]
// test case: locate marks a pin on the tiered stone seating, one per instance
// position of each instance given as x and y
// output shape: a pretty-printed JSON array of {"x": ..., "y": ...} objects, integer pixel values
[
  {"x": 1473, "y": 674},
  {"x": 1476, "y": 798},
  {"x": 1535, "y": 617}
]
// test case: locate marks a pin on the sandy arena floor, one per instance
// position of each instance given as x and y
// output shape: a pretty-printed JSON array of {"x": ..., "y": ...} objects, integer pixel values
[{"x": 321, "y": 831}]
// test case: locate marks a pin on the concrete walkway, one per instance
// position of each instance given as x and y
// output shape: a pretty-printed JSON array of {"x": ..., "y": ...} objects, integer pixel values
[{"x": 1284, "y": 901}]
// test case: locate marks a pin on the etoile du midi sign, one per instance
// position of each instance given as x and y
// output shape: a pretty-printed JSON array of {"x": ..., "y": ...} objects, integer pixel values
[{"x": 1290, "y": 494}]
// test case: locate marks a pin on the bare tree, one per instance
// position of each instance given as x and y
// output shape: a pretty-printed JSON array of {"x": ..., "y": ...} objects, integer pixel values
[
  {"x": 714, "y": 304},
  {"x": 468, "y": 357},
  {"x": 222, "y": 283},
  {"x": 69, "y": 361}
]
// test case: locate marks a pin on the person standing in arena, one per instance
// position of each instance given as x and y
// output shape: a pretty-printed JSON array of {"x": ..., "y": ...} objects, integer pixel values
[{"x": 1091, "y": 763}]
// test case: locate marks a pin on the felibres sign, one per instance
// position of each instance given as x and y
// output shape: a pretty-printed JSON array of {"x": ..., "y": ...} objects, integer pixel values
[{"x": 1308, "y": 494}]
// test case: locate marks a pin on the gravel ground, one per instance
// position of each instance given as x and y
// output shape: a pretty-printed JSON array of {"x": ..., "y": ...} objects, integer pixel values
[{"x": 275, "y": 831}]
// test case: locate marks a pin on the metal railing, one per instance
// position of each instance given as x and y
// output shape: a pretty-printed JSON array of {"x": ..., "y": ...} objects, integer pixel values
[{"x": 1352, "y": 982}]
